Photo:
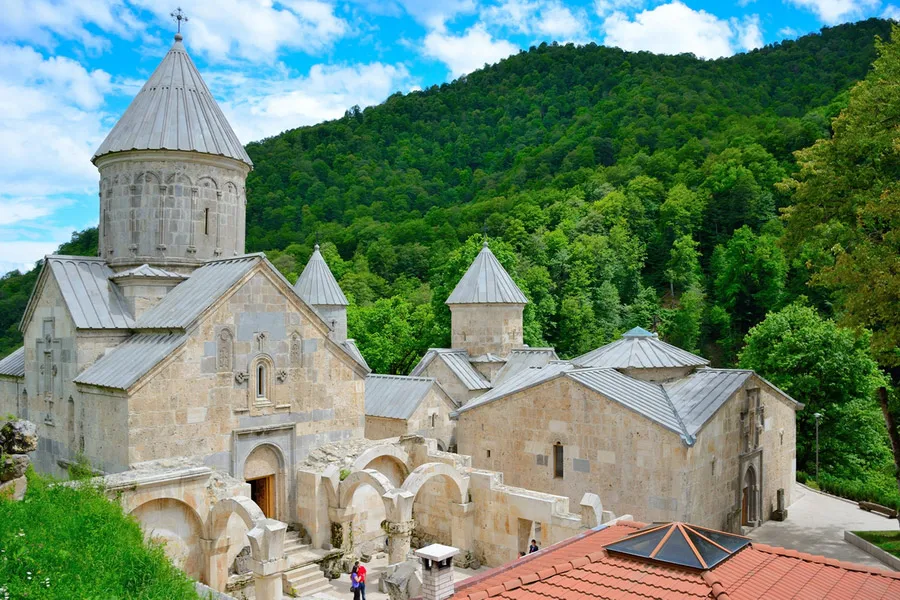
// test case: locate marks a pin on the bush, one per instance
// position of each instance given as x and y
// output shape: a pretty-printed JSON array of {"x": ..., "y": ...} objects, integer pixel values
[
  {"x": 70, "y": 541},
  {"x": 865, "y": 491}
]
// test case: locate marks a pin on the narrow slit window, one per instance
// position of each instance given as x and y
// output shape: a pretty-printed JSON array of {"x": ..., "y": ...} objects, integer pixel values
[
  {"x": 260, "y": 381},
  {"x": 206, "y": 221},
  {"x": 558, "y": 461},
  {"x": 433, "y": 420}
]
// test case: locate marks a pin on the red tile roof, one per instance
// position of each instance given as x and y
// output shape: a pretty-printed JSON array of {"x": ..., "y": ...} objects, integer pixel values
[{"x": 580, "y": 568}]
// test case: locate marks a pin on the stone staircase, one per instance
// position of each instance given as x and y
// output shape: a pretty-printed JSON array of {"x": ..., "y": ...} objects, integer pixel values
[{"x": 303, "y": 576}]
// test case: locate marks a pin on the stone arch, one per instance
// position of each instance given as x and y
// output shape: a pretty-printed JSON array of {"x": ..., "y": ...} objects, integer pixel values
[
  {"x": 241, "y": 506},
  {"x": 207, "y": 182},
  {"x": 264, "y": 393},
  {"x": 267, "y": 460},
  {"x": 378, "y": 481},
  {"x": 151, "y": 177},
  {"x": 749, "y": 496},
  {"x": 423, "y": 473},
  {"x": 178, "y": 526},
  {"x": 382, "y": 450}
]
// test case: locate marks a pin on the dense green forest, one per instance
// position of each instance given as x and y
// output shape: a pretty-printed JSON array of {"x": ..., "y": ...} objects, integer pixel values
[{"x": 619, "y": 189}]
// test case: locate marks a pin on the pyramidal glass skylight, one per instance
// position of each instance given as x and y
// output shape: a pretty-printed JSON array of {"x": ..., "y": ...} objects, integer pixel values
[{"x": 680, "y": 544}]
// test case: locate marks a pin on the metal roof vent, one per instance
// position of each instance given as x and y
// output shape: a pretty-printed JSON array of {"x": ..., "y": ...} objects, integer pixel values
[{"x": 680, "y": 544}]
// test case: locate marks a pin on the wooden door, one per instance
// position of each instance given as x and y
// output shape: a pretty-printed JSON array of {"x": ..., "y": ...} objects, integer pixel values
[{"x": 262, "y": 491}]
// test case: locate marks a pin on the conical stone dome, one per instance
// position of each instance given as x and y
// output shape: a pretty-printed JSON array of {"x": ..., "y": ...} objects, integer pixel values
[
  {"x": 486, "y": 282},
  {"x": 174, "y": 111}
]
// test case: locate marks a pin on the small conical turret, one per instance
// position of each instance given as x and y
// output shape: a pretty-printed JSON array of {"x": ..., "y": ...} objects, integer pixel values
[
  {"x": 486, "y": 308},
  {"x": 318, "y": 287}
]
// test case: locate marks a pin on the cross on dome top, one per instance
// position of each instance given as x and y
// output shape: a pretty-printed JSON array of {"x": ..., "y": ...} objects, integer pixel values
[{"x": 179, "y": 16}]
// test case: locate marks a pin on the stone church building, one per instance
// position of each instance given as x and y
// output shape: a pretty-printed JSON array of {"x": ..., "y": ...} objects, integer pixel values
[{"x": 222, "y": 402}]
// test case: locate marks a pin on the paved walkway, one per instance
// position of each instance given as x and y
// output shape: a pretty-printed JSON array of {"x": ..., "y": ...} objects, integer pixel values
[{"x": 816, "y": 525}]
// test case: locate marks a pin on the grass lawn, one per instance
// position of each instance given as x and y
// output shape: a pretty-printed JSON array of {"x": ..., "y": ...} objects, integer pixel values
[
  {"x": 889, "y": 541},
  {"x": 73, "y": 543}
]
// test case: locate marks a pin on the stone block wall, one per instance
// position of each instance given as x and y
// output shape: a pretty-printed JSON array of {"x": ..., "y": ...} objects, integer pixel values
[
  {"x": 486, "y": 328},
  {"x": 314, "y": 393},
  {"x": 632, "y": 463},
  {"x": 170, "y": 209},
  {"x": 379, "y": 428}
]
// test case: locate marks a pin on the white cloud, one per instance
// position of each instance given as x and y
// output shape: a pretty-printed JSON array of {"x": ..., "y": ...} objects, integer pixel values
[
  {"x": 749, "y": 33},
  {"x": 836, "y": 11},
  {"x": 433, "y": 14},
  {"x": 607, "y": 7},
  {"x": 254, "y": 30},
  {"x": 41, "y": 22},
  {"x": 548, "y": 18},
  {"x": 674, "y": 28},
  {"x": 22, "y": 255},
  {"x": 467, "y": 52},
  {"x": 788, "y": 32},
  {"x": 891, "y": 12},
  {"x": 266, "y": 104}
]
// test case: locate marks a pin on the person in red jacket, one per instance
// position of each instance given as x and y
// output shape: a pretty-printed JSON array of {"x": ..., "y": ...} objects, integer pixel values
[{"x": 361, "y": 574}]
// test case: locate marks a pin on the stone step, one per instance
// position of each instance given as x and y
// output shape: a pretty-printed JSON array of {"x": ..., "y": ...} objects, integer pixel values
[
  {"x": 305, "y": 580},
  {"x": 293, "y": 547},
  {"x": 325, "y": 588}
]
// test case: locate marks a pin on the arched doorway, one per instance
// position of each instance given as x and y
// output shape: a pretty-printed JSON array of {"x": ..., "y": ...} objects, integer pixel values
[
  {"x": 748, "y": 498},
  {"x": 264, "y": 472}
]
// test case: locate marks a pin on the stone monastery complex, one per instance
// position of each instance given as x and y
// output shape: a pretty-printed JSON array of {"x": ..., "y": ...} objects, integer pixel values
[{"x": 229, "y": 410}]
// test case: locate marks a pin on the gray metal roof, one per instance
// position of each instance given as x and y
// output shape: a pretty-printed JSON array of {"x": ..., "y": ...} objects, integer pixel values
[
  {"x": 146, "y": 270},
  {"x": 180, "y": 307},
  {"x": 174, "y": 111},
  {"x": 486, "y": 282},
  {"x": 524, "y": 379},
  {"x": 458, "y": 362},
  {"x": 698, "y": 396},
  {"x": 350, "y": 346},
  {"x": 317, "y": 285},
  {"x": 132, "y": 359},
  {"x": 524, "y": 358},
  {"x": 639, "y": 352},
  {"x": 93, "y": 301},
  {"x": 13, "y": 365},
  {"x": 640, "y": 396},
  {"x": 395, "y": 396}
]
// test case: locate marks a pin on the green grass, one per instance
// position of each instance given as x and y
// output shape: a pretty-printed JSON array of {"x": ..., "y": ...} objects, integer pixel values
[
  {"x": 72, "y": 542},
  {"x": 889, "y": 541}
]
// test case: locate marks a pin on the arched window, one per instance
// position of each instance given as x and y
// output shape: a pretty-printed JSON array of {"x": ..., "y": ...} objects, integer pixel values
[
  {"x": 559, "y": 469},
  {"x": 260, "y": 380}
]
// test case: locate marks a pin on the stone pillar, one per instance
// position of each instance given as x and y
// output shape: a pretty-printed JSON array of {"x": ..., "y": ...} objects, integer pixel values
[
  {"x": 399, "y": 540},
  {"x": 215, "y": 556},
  {"x": 461, "y": 526},
  {"x": 267, "y": 558},
  {"x": 341, "y": 527},
  {"x": 437, "y": 571}
]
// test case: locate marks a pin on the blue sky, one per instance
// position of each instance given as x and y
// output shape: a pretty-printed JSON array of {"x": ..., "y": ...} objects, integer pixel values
[{"x": 69, "y": 68}]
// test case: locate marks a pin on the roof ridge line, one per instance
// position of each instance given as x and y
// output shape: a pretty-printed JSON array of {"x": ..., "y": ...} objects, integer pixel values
[
  {"x": 824, "y": 560},
  {"x": 688, "y": 437},
  {"x": 716, "y": 588}
]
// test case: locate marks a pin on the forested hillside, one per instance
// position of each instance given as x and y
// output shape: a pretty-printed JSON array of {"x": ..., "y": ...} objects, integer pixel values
[{"x": 619, "y": 189}]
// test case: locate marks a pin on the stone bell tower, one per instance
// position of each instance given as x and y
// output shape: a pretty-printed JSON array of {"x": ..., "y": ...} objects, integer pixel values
[{"x": 172, "y": 175}]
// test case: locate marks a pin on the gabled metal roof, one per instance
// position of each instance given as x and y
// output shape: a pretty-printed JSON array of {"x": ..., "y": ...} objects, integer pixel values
[
  {"x": 458, "y": 362},
  {"x": 350, "y": 346},
  {"x": 13, "y": 365},
  {"x": 132, "y": 359},
  {"x": 174, "y": 111},
  {"x": 146, "y": 270},
  {"x": 396, "y": 396},
  {"x": 486, "y": 282},
  {"x": 524, "y": 358},
  {"x": 93, "y": 301},
  {"x": 180, "y": 307},
  {"x": 648, "y": 399},
  {"x": 698, "y": 396},
  {"x": 522, "y": 380},
  {"x": 317, "y": 284},
  {"x": 639, "y": 350}
]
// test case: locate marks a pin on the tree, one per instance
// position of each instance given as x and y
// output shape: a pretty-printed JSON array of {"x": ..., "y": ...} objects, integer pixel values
[
  {"x": 846, "y": 214},
  {"x": 683, "y": 268},
  {"x": 749, "y": 278},
  {"x": 392, "y": 334},
  {"x": 831, "y": 371}
]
